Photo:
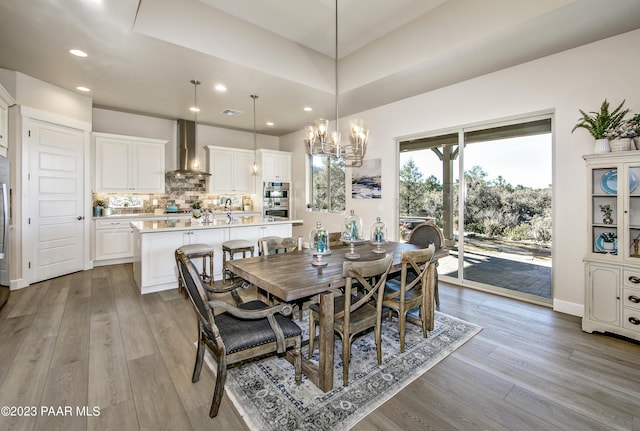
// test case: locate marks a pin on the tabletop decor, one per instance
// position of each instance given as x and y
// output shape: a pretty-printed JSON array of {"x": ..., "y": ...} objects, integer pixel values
[
  {"x": 352, "y": 233},
  {"x": 378, "y": 235},
  {"x": 265, "y": 394},
  {"x": 621, "y": 136},
  {"x": 319, "y": 244}
]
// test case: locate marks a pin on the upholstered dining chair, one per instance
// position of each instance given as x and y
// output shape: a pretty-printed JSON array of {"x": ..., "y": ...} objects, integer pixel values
[
  {"x": 405, "y": 294},
  {"x": 238, "y": 333},
  {"x": 427, "y": 233},
  {"x": 356, "y": 313}
]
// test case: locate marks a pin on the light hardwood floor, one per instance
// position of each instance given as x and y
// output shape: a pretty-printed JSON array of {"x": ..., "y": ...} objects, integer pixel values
[{"x": 90, "y": 339}]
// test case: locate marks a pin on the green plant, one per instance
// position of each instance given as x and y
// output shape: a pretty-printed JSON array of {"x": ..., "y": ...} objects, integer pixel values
[
  {"x": 597, "y": 123},
  {"x": 606, "y": 209},
  {"x": 608, "y": 236},
  {"x": 100, "y": 203},
  {"x": 196, "y": 205}
]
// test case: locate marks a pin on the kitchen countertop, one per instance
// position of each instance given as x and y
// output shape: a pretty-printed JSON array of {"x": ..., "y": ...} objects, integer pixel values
[
  {"x": 172, "y": 215},
  {"x": 148, "y": 226}
]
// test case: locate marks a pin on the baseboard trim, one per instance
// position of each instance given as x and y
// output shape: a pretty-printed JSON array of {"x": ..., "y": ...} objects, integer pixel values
[{"x": 568, "y": 307}]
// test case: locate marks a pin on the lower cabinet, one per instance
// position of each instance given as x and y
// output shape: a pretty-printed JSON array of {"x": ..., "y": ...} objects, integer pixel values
[
  {"x": 154, "y": 266},
  {"x": 113, "y": 240},
  {"x": 612, "y": 300}
]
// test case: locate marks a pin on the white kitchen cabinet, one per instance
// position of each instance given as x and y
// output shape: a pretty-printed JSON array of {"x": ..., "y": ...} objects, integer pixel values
[
  {"x": 113, "y": 240},
  {"x": 230, "y": 170},
  {"x": 155, "y": 267},
  {"x": 129, "y": 164},
  {"x": 612, "y": 281},
  {"x": 5, "y": 101},
  {"x": 274, "y": 165}
]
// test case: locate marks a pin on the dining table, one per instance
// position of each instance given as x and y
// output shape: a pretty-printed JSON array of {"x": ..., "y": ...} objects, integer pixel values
[{"x": 291, "y": 278}]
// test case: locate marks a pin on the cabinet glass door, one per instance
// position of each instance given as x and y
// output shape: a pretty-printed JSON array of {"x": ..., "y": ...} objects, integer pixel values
[
  {"x": 633, "y": 175},
  {"x": 604, "y": 227}
]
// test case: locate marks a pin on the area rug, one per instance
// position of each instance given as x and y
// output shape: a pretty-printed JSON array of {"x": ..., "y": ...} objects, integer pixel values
[{"x": 265, "y": 393}]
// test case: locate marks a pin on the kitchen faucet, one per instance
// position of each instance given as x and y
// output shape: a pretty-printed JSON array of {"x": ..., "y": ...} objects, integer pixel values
[{"x": 227, "y": 206}]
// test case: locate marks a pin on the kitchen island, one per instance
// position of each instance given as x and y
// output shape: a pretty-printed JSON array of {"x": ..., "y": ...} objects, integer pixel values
[{"x": 155, "y": 241}]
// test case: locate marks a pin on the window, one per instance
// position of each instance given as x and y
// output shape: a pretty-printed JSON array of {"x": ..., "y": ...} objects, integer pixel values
[{"x": 327, "y": 183}]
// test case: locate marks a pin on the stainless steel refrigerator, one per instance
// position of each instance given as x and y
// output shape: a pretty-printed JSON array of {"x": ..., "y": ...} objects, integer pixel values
[{"x": 4, "y": 230}]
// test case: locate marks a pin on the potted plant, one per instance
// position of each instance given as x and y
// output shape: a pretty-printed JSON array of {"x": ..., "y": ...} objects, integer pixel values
[
  {"x": 621, "y": 136},
  {"x": 608, "y": 239},
  {"x": 606, "y": 210},
  {"x": 196, "y": 209},
  {"x": 597, "y": 124},
  {"x": 98, "y": 207}
]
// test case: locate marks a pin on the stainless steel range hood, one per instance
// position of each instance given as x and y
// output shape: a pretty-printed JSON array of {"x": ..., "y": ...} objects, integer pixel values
[{"x": 186, "y": 150}]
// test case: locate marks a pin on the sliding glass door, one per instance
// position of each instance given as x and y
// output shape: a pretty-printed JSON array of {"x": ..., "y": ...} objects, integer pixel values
[{"x": 502, "y": 241}]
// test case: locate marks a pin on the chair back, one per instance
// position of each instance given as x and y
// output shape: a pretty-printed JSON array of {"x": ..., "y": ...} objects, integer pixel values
[
  {"x": 426, "y": 233},
  {"x": 335, "y": 238},
  {"x": 371, "y": 276},
  {"x": 266, "y": 238},
  {"x": 197, "y": 294},
  {"x": 419, "y": 261},
  {"x": 280, "y": 245}
]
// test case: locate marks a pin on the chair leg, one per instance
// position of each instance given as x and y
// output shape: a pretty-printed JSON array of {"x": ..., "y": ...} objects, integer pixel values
[
  {"x": 312, "y": 332},
  {"x": 218, "y": 392},
  {"x": 297, "y": 359},
  {"x": 402, "y": 326},
  {"x": 199, "y": 358},
  {"x": 378, "y": 333},
  {"x": 436, "y": 295},
  {"x": 346, "y": 358}
]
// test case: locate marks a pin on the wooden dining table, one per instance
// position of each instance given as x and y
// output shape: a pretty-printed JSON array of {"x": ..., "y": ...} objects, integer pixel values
[{"x": 291, "y": 277}]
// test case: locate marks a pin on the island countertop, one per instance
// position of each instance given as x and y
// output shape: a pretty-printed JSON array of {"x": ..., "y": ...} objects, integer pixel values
[{"x": 147, "y": 226}]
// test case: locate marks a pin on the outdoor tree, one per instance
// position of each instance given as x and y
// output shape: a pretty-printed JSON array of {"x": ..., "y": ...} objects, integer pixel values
[{"x": 412, "y": 189}]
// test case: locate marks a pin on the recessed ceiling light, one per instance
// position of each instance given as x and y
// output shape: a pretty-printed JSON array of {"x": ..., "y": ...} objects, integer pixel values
[
  {"x": 270, "y": 123},
  {"x": 83, "y": 88},
  {"x": 78, "y": 53},
  {"x": 308, "y": 108},
  {"x": 220, "y": 87},
  {"x": 194, "y": 109},
  {"x": 231, "y": 112}
]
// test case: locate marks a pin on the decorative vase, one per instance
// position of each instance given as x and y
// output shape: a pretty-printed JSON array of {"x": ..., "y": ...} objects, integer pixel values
[
  {"x": 601, "y": 146},
  {"x": 622, "y": 144},
  {"x": 607, "y": 220}
]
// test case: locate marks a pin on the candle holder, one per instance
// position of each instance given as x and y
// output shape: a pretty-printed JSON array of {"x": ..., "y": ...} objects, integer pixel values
[
  {"x": 378, "y": 236},
  {"x": 319, "y": 243}
]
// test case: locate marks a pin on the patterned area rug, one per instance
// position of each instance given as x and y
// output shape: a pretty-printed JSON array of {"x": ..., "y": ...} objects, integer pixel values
[{"x": 265, "y": 393}]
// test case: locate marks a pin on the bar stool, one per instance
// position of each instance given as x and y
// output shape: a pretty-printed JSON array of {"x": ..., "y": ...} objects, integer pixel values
[
  {"x": 205, "y": 251},
  {"x": 232, "y": 247}
]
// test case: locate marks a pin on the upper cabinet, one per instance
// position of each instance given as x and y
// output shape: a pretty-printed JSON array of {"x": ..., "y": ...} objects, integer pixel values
[
  {"x": 274, "y": 165},
  {"x": 230, "y": 170},
  {"x": 5, "y": 101},
  {"x": 129, "y": 164}
]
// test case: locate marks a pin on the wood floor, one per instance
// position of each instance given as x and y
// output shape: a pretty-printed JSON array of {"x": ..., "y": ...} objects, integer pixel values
[{"x": 90, "y": 340}]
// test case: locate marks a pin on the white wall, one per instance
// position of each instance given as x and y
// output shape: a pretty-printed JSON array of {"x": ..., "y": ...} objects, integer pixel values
[
  {"x": 580, "y": 78},
  {"x": 123, "y": 123}
]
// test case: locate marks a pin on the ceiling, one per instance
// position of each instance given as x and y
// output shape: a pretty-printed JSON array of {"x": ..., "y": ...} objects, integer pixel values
[{"x": 144, "y": 53}]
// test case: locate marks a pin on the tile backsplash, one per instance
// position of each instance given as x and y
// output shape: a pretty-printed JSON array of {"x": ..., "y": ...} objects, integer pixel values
[{"x": 181, "y": 192}]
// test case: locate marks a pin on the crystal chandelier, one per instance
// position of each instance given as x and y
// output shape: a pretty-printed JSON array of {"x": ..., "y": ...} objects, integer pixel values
[{"x": 320, "y": 142}]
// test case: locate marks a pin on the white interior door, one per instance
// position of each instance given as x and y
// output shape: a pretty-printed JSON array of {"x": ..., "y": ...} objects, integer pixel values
[{"x": 56, "y": 201}]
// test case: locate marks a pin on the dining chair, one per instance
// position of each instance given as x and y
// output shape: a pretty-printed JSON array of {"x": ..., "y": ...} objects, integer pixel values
[
  {"x": 335, "y": 238},
  {"x": 278, "y": 245},
  {"x": 356, "y": 313},
  {"x": 238, "y": 333},
  {"x": 427, "y": 233},
  {"x": 406, "y": 294}
]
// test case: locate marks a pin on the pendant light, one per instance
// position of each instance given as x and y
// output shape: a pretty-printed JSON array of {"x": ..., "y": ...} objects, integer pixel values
[
  {"x": 254, "y": 168},
  {"x": 195, "y": 165},
  {"x": 353, "y": 151}
]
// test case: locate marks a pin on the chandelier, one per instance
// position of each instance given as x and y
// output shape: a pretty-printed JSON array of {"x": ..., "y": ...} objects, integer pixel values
[{"x": 320, "y": 142}]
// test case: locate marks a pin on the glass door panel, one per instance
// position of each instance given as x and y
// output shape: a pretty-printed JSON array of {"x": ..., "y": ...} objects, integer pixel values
[
  {"x": 604, "y": 197},
  {"x": 634, "y": 212}
]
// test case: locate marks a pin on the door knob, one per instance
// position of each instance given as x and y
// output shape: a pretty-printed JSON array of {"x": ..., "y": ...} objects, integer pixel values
[{"x": 80, "y": 218}]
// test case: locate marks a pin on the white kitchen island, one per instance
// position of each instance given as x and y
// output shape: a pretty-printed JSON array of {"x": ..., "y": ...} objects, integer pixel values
[{"x": 155, "y": 241}]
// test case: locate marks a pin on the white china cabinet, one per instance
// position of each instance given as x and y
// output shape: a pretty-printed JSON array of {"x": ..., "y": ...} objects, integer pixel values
[{"x": 612, "y": 293}]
